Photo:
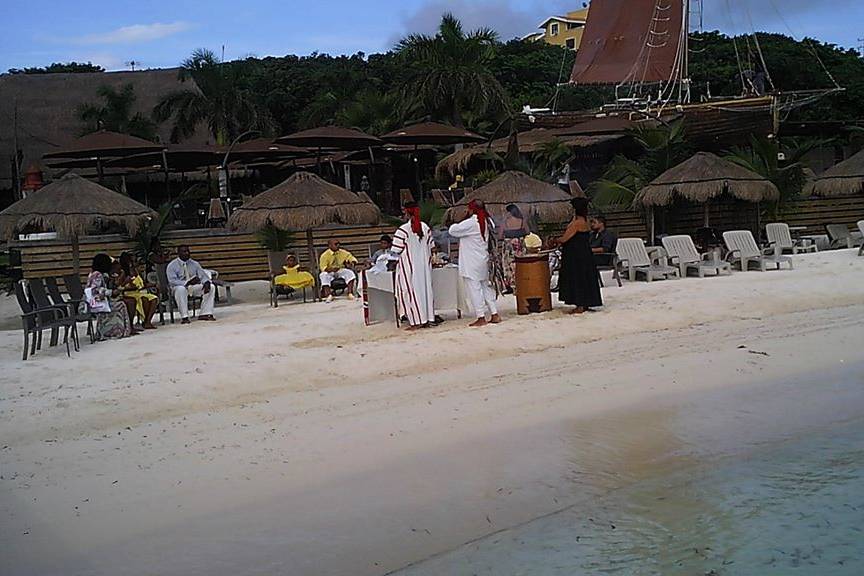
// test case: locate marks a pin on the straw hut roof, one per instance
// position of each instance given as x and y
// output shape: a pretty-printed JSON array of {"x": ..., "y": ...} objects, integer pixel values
[
  {"x": 303, "y": 202},
  {"x": 46, "y": 106},
  {"x": 703, "y": 177},
  {"x": 104, "y": 144},
  {"x": 533, "y": 197},
  {"x": 71, "y": 207},
  {"x": 844, "y": 179}
]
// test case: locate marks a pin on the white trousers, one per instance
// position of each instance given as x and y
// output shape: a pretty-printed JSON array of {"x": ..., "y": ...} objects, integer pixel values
[
  {"x": 482, "y": 296},
  {"x": 181, "y": 297},
  {"x": 345, "y": 274}
]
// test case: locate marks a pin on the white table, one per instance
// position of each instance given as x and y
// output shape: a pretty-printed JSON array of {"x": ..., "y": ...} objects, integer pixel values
[{"x": 379, "y": 294}]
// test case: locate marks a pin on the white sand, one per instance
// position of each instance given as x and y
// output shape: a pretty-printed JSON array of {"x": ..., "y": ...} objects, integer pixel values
[{"x": 297, "y": 441}]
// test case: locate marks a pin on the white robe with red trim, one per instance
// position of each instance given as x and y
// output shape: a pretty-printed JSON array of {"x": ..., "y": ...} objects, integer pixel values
[{"x": 414, "y": 274}]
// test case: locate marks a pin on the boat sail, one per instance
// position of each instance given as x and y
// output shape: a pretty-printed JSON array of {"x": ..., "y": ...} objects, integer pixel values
[{"x": 633, "y": 42}]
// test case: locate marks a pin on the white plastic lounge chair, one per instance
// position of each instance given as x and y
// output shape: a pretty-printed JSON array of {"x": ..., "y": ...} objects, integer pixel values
[
  {"x": 861, "y": 229},
  {"x": 743, "y": 251},
  {"x": 632, "y": 254},
  {"x": 841, "y": 237},
  {"x": 780, "y": 238},
  {"x": 682, "y": 253}
]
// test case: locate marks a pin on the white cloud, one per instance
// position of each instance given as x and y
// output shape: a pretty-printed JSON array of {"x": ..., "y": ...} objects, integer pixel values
[{"x": 134, "y": 34}]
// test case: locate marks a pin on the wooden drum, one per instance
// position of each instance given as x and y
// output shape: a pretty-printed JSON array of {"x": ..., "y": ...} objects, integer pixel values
[{"x": 533, "y": 279}]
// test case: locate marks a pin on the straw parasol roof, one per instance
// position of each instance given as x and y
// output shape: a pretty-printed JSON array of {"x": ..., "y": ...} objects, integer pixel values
[
  {"x": 844, "y": 179},
  {"x": 105, "y": 144},
  {"x": 431, "y": 133},
  {"x": 533, "y": 197},
  {"x": 703, "y": 177},
  {"x": 330, "y": 137},
  {"x": 303, "y": 202},
  {"x": 71, "y": 207}
]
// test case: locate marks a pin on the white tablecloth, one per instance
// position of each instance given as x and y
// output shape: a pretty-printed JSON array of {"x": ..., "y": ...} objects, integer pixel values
[{"x": 380, "y": 294}]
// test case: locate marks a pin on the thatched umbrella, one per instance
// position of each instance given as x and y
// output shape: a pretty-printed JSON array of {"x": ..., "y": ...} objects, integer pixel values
[
  {"x": 844, "y": 179},
  {"x": 546, "y": 202},
  {"x": 71, "y": 207},
  {"x": 704, "y": 177},
  {"x": 304, "y": 202}
]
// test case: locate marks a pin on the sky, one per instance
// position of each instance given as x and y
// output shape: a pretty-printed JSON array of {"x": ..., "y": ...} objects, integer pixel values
[{"x": 161, "y": 33}]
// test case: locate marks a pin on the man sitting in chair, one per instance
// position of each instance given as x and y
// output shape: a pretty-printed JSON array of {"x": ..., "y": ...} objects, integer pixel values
[
  {"x": 187, "y": 278},
  {"x": 336, "y": 263},
  {"x": 603, "y": 241}
]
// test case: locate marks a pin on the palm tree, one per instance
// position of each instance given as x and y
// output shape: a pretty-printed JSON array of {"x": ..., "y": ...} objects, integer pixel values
[
  {"x": 228, "y": 108},
  {"x": 115, "y": 113},
  {"x": 663, "y": 147},
  {"x": 781, "y": 164},
  {"x": 551, "y": 158},
  {"x": 449, "y": 72}
]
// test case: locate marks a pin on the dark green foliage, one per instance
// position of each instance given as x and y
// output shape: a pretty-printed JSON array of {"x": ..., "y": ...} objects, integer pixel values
[
  {"x": 273, "y": 238},
  {"x": 114, "y": 113},
  {"x": 60, "y": 68}
]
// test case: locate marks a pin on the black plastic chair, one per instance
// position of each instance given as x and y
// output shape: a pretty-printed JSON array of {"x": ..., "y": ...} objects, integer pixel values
[
  {"x": 35, "y": 319},
  {"x": 73, "y": 304},
  {"x": 40, "y": 299}
]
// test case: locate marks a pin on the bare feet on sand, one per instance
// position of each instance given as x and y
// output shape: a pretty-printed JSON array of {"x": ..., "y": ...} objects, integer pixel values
[
  {"x": 577, "y": 310},
  {"x": 478, "y": 323},
  {"x": 496, "y": 319}
]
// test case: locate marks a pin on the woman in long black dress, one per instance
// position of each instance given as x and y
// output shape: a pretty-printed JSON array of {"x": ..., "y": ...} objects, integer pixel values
[{"x": 578, "y": 282}]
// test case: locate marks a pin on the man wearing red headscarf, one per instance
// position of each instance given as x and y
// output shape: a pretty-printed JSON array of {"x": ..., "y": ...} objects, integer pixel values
[
  {"x": 412, "y": 243},
  {"x": 473, "y": 234}
]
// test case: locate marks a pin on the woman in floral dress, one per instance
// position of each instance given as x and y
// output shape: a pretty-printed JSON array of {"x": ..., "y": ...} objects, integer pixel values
[{"x": 106, "y": 301}]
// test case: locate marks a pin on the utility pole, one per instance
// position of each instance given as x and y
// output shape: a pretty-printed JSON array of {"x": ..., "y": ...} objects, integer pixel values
[{"x": 861, "y": 47}]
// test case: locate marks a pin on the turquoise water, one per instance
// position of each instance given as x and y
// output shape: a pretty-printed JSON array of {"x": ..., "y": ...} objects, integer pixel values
[{"x": 793, "y": 506}]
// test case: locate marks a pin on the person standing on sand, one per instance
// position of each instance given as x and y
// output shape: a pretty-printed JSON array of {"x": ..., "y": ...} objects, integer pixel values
[
  {"x": 578, "y": 281},
  {"x": 412, "y": 243},
  {"x": 474, "y": 259}
]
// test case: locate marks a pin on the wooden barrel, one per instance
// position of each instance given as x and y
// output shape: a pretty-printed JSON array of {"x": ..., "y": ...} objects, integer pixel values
[{"x": 533, "y": 279}]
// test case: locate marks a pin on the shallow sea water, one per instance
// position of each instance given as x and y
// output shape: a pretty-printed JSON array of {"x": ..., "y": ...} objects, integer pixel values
[{"x": 789, "y": 504}]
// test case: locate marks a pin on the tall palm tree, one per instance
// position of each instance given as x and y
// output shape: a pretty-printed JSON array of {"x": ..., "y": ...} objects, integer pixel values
[
  {"x": 663, "y": 147},
  {"x": 114, "y": 113},
  {"x": 449, "y": 72},
  {"x": 228, "y": 108}
]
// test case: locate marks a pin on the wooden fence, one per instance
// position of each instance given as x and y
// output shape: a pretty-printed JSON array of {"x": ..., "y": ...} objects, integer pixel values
[{"x": 239, "y": 257}]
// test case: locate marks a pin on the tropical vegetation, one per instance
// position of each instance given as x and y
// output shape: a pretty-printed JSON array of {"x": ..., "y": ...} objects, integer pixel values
[{"x": 115, "y": 112}]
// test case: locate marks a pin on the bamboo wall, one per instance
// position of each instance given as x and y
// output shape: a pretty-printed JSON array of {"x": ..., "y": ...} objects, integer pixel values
[{"x": 239, "y": 257}]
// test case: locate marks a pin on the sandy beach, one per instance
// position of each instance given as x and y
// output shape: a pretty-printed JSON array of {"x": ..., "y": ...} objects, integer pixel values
[{"x": 298, "y": 441}]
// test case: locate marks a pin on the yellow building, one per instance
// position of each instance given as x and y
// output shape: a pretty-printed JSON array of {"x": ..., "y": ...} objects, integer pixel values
[{"x": 565, "y": 30}]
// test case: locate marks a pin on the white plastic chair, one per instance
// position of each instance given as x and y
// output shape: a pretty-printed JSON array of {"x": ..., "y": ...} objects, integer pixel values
[
  {"x": 632, "y": 254},
  {"x": 682, "y": 253},
  {"x": 861, "y": 229},
  {"x": 780, "y": 238},
  {"x": 743, "y": 251}
]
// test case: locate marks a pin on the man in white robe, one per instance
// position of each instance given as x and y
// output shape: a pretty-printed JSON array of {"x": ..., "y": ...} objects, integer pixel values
[
  {"x": 412, "y": 244},
  {"x": 473, "y": 234}
]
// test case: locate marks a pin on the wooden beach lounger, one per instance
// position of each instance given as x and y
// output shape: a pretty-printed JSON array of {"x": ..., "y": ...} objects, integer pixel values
[{"x": 682, "y": 253}]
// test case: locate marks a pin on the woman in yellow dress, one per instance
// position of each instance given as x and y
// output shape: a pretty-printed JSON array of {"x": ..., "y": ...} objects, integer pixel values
[
  {"x": 134, "y": 288},
  {"x": 294, "y": 277}
]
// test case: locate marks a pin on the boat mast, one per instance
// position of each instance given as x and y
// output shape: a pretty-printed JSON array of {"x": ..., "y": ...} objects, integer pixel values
[{"x": 684, "y": 79}]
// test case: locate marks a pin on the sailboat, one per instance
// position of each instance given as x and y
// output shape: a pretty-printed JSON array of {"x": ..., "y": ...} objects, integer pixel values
[{"x": 642, "y": 48}]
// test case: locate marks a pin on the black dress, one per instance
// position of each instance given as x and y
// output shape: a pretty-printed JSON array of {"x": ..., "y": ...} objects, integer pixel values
[{"x": 578, "y": 283}]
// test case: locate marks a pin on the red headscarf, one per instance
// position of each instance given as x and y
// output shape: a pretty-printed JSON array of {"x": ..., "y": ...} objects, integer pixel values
[
  {"x": 482, "y": 215},
  {"x": 413, "y": 211}
]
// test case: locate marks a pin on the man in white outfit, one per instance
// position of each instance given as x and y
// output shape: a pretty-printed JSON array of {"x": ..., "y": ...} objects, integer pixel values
[
  {"x": 473, "y": 234},
  {"x": 187, "y": 278}
]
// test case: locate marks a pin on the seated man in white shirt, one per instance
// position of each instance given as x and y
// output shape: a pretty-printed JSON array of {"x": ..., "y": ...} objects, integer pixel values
[{"x": 187, "y": 278}]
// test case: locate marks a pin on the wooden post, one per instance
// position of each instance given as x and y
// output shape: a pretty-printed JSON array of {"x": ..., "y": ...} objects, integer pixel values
[
  {"x": 707, "y": 213},
  {"x": 76, "y": 256},
  {"x": 313, "y": 263}
]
